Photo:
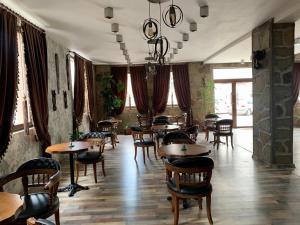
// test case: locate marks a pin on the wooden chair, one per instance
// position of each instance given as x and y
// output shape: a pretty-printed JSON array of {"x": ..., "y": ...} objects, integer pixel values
[
  {"x": 37, "y": 173},
  {"x": 193, "y": 132},
  {"x": 161, "y": 120},
  {"x": 108, "y": 130},
  {"x": 91, "y": 157},
  {"x": 210, "y": 124},
  {"x": 177, "y": 137},
  {"x": 223, "y": 129},
  {"x": 140, "y": 140},
  {"x": 189, "y": 178},
  {"x": 145, "y": 121},
  {"x": 181, "y": 120}
]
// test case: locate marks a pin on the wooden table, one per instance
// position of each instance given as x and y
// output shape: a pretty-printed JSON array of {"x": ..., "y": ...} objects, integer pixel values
[
  {"x": 165, "y": 128},
  {"x": 65, "y": 148},
  {"x": 10, "y": 206},
  {"x": 176, "y": 150}
]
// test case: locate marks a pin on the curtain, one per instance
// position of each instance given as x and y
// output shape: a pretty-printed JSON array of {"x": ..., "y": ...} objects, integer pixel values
[
  {"x": 119, "y": 75},
  {"x": 8, "y": 76},
  {"x": 296, "y": 82},
  {"x": 182, "y": 89},
  {"x": 37, "y": 77},
  {"x": 161, "y": 85},
  {"x": 91, "y": 92},
  {"x": 79, "y": 90},
  {"x": 139, "y": 88}
]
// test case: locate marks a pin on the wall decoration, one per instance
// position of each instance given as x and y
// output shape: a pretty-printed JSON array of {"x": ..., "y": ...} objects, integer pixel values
[
  {"x": 257, "y": 58},
  {"x": 53, "y": 93},
  {"x": 65, "y": 99},
  {"x": 57, "y": 72},
  {"x": 68, "y": 70}
]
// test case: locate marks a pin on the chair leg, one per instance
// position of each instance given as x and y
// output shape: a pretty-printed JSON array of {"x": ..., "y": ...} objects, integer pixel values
[
  {"x": 231, "y": 141},
  {"x": 176, "y": 209},
  {"x": 227, "y": 141},
  {"x": 95, "y": 172},
  {"x": 206, "y": 135},
  {"x": 148, "y": 152},
  {"x": 200, "y": 203},
  {"x": 135, "y": 150},
  {"x": 144, "y": 155},
  {"x": 208, "y": 208},
  {"x": 112, "y": 141},
  {"x": 103, "y": 170},
  {"x": 218, "y": 142},
  {"x": 85, "y": 169},
  {"x": 155, "y": 152},
  {"x": 77, "y": 165},
  {"x": 57, "y": 220}
]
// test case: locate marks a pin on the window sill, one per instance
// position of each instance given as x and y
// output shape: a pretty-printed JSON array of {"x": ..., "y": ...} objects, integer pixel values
[{"x": 20, "y": 127}]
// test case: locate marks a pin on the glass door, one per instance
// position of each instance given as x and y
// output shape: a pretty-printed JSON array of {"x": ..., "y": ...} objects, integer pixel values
[
  {"x": 244, "y": 104},
  {"x": 223, "y": 100}
]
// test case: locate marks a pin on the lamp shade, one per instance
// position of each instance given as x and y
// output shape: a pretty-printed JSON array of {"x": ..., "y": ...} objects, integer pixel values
[
  {"x": 109, "y": 12},
  {"x": 115, "y": 27},
  {"x": 119, "y": 38},
  {"x": 185, "y": 37}
]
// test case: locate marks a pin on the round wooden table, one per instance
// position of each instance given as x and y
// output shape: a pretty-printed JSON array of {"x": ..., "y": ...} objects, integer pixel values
[
  {"x": 165, "y": 128},
  {"x": 65, "y": 148},
  {"x": 10, "y": 207},
  {"x": 183, "y": 150}
]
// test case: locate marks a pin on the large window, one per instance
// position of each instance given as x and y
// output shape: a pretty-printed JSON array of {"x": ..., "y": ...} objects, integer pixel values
[
  {"x": 129, "y": 97},
  {"x": 22, "y": 93},
  {"x": 172, "y": 100}
]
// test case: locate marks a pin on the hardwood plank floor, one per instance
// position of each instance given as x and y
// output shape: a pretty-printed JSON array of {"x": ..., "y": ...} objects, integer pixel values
[{"x": 244, "y": 192}]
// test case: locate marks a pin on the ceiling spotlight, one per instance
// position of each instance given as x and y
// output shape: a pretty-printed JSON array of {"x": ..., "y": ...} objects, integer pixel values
[
  {"x": 204, "y": 11},
  {"x": 122, "y": 46},
  {"x": 172, "y": 15},
  {"x": 119, "y": 38},
  {"x": 193, "y": 26},
  {"x": 185, "y": 37},
  {"x": 109, "y": 12},
  {"x": 115, "y": 27},
  {"x": 175, "y": 51},
  {"x": 179, "y": 45}
]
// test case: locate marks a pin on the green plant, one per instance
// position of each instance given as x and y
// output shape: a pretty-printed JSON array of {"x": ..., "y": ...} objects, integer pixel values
[
  {"x": 75, "y": 136},
  {"x": 111, "y": 100}
]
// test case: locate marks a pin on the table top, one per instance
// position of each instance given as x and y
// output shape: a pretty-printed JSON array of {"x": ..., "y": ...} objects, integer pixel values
[
  {"x": 10, "y": 206},
  {"x": 77, "y": 146},
  {"x": 165, "y": 127},
  {"x": 175, "y": 150}
]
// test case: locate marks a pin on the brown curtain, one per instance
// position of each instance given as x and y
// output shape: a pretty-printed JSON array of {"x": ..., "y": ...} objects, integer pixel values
[
  {"x": 79, "y": 90},
  {"x": 8, "y": 76},
  {"x": 119, "y": 75},
  {"x": 91, "y": 92},
  {"x": 139, "y": 88},
  {"x": 161, "y": 85},
  {"x": 182, "y": 89},
  {"x": 296, "y": 82},
  {"x": 37, "y": 76}
]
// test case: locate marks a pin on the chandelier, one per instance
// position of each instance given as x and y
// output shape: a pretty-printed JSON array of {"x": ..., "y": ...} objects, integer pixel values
[
  {"x": 172, "y": 15},
  {"x": 150, "y": 27}
]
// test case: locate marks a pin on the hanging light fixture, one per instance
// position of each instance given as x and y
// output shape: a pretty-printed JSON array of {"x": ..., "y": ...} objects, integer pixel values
[
  {"x": 150, "y": 27},
  {"x": 193, "y": 26},
  {"x": 115, "y": 27},
  {"x": 119, "y": 38},
  {"x": 185, "y": 36},
  {"x": 161, "y": 45},
  {"x": 172, "y": 15},
  {"x": 109, "y": 12},
  {"x": 179, "y": 45}
]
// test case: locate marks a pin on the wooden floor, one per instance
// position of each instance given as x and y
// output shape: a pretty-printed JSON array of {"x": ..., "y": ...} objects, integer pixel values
[{"x": 244, "y": 192}]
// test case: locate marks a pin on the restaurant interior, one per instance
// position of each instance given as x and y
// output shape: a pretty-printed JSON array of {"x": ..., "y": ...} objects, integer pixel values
[{"x": 149, "y": 112}]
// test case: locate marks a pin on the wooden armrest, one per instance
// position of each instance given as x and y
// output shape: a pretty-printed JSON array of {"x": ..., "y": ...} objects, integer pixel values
[
  {"x": 7, "y": 178},
  {"x": 53, "y": 181}
]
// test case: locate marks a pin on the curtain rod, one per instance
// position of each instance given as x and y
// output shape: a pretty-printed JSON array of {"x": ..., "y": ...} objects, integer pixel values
[{"x": 20, "y": 17}]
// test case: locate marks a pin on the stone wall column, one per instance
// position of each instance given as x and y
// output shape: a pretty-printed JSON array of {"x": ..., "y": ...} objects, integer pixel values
[{"x": 272, "y": 94}]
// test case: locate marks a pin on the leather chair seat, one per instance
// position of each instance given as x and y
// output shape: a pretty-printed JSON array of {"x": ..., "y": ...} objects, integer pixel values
[
  {"x": 92, "y": 135},
  {"x": 223, "y": 133},
  {"x": 44, "y": 222},
  {"x": 147, "y": 142},
  {"x": 37, "y": 205},
  {"x": 89, "y": 157},
  {"x": 190, "y": 190}
]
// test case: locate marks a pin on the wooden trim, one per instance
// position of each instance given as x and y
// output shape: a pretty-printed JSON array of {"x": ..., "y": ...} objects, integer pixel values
[
  {"x": 233, "y": 80},
  {"x": 20, "y": 127}
]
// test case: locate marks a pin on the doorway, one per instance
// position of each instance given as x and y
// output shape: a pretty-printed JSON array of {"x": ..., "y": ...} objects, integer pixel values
[{"x": 233, "y": 95}]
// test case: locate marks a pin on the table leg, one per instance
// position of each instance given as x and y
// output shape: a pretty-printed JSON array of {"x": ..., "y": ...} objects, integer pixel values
[{"x": 72, "y": 187}]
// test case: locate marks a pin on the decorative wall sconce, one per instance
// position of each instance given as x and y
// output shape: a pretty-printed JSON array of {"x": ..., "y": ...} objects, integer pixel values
[
  {"x": 257, "y": 57},
  {"x": 172, "y": 15},
  {"x": 53, "y": 94},
  {"x": 65, "y": 99},
  {"x": 109, "y": 12}
]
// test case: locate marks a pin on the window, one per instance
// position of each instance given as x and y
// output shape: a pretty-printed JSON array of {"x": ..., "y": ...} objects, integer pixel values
[
  {"x": 129, "y": 97},
  {"x": 172, "y": 100},
  {"x": 234, "y": 73},
  {"x": 22, "y": 92}
]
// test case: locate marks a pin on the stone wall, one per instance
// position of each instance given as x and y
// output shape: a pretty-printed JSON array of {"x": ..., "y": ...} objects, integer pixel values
[
  {"x": 272, "y": 107},
  {"x": 23, "y": 148}
]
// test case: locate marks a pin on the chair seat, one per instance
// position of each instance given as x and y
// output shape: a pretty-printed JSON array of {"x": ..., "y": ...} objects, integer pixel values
[
  {"x": 37, "y": 206},
  {"x": 107, "y": 133},
  {"x": 223, "y": 133},
  {"x": 146, "y": 142},
  {"x": 190, "y": 190},
  {"x": 92, "y": 135},
  {"x": 89, "y": 157}
]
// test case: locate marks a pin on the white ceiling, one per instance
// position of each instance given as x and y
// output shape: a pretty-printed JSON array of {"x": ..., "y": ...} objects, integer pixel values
[{"x": 80, "y": 25}]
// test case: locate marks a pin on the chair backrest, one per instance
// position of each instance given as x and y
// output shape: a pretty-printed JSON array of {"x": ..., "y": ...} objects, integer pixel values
[
  {"x": 211, "y": 116},
  {"x": 177, "y": 137},
  {"x": 224, "y": 126},
  {"x": 161, "y": 120},
  {"x": 190, "y": 172},
  {"x": 138, "y": 133},
  {"x": 39, "y": 172},
  {"x": 182, "y": 119},
  {"x": 192, "y": 130},
  {"x": 144, "y": 120},
  {"x": 105, "y": 126}
]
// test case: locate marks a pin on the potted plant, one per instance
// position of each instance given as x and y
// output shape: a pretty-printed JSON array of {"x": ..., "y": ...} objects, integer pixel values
[{"x": 110, "y": 99}]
